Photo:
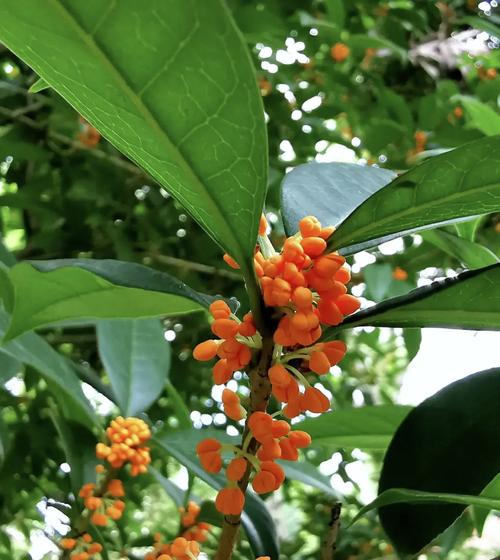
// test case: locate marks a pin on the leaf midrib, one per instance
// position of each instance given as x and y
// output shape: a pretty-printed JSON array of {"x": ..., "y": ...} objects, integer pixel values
[
  {"x": 143, "y": 109},
  {"x": 392, "y": 217}
]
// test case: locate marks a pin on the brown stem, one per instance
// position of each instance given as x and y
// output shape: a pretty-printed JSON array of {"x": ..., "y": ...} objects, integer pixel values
[
  {"x": 330, "y": 540},
  {"x": 259, "y": 396}
]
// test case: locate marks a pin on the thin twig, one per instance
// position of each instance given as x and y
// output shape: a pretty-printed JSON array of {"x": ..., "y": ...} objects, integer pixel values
[
  {"x": 196, "y": 267},
  {"x": 330, "y": 541}
]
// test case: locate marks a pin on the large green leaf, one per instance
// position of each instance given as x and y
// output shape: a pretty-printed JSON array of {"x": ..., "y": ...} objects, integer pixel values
[
  {"x": 136, "y": 357},
  {"x": 368, "y": 427},
  {"x": 256, "y": 520},
  {"x": 47, "y": 292},
  {"x": 403, "y": 496},
  {"x": 329, "y": 191},
  {"x": 448, "y": 444},
  {"x": 32, "y": 350},
  {"x": 9, "y": 367},
  {"x": 467, "y": 301},
  {"x": 170, "y": 84},
  {"x": 458, "y": 184},
  {"x": 472, "y": 255}
]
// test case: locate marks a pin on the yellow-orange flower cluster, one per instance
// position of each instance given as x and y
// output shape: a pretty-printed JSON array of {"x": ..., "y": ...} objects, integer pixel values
[
  {"x": 306, "y": 287},
  {"x": 232, "y": 348},
  {"x": 194, "y": 531},
  {"x": 179, "y": 549},
  {"x": 103, "y": 505},
  {"x": 126, "y": 436},
  {"x": 102, "y": 499},
  {"x": 82, "y": 548}
]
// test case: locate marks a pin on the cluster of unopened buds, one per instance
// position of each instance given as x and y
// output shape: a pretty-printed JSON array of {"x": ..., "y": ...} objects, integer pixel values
[
  {"x": 126, "y": 439},
  {"x": 306, "y": 288}
]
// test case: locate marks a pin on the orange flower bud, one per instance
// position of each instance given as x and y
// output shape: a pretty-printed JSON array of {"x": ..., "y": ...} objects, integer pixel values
[
  {"x": 264, "y": 482},
  {"x": 288, "y": 451},
  {"x": 87, "y": 490},
  {"x": 314, "y": 400},
  {"x": 302, "y": 298},
  {"x": 299, "y": 439},
  {"x": 339, "y": 52},
  {"x": 335, "y": 351},
  {"x": 95, "y": 548},
  {"x": 68, "y": 544},
  {"x": 219, "y": 309},
  {"x": 211, "y": 461},
  {"x": 230, "y": 501},
  {"x": 230, "y": 261},
  {"x": 260, "y": 424},
  {"x": 348, "y": 304},
  {"x": 224, "y": 328},
  {"x": 205, "y": 350},
  {"x": 329, "y": 313},
  {"x": 270, "y": 449},
  {"x": 87, "y": 538},
  {"x": 309, "y": 226},
  {"x": 208, "y": 445},
  {"x": 114, "y": 513},
  {"x": 319, "y": 363},
  {"x": 99, "y": 519},
  {"x": 280, "y": 428},
  {"x": 343, "y": 275},
  {"x": 262, "y": 225},
  {"x": 236, "y": 469},
  {"x": 222, "y": 373},
  {"x": 399, "y": 274},
  {"x": 92, "y": 503},
  {"x": 327, "y": 265},
  {"x": 179, "y": 546},
  {"x": 313, "y": 246},
  {"x": 115, "y": 488},
  {"x": 279, "y": 376}
]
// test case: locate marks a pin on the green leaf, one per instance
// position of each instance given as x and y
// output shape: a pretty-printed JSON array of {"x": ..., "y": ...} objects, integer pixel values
[
  {"x": 136, "y": 358},
  {"x": 256, "y": 520},
  {"x": 479, "y": 514},
  {"x": 179, "y": 405},
  {"x": 380, "y": 282},
  {"x": 479, "y": 115},
  {"x": 9, "y": 367},
  {"x": 39, "y": 85},
  {"x": 472, "y": 255},
  {"x": 458, "y": 184},
  {"x": 468, "y": 230},
  {"x": 336, "y": 12},
  {"x": 176, "y": 493},
  {"x": 447, "y": 445},
  {"x": 467, "y": 301},
  {"x": 403, "y": 496},
  {"x": 412, "y": 339},
  {"x": 170, "y": 84},
  {"x": 308, "y": 474},
  {"x": 78, "y": 445},
  {"x": 367, "y": 427},
  {"x": 329, "y": 191},
  {"x": 48, "y": 292},
  {"x": 32, "y": 350}
]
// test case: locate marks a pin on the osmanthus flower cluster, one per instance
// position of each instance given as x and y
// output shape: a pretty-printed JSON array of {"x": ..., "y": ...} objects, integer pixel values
[
  {"x": 102, "y": 500},
  {"x": 305, "y": 289}
]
